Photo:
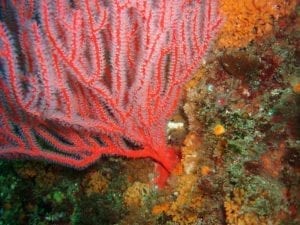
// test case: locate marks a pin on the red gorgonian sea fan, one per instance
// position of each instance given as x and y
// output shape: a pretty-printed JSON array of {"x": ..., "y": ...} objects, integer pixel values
[{"x": 79, "y": 79}]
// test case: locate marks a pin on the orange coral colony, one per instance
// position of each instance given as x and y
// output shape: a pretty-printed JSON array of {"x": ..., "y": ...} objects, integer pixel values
[{"x": 248, "y": 20}]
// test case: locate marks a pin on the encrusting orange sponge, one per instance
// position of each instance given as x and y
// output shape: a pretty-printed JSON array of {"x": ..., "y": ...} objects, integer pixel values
[{"x": 247, "y": 20}]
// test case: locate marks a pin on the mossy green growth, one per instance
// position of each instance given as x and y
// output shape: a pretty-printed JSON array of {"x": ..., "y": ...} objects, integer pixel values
[
  {"x": 106, "y": 208},
  {"x": 58, "y": 197},
  {"x": 11, "y": 187},
  {"x": 62, "y": 203},
  {"x": 262, "y": 195},
  {"x": 235, "y": 171}
]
